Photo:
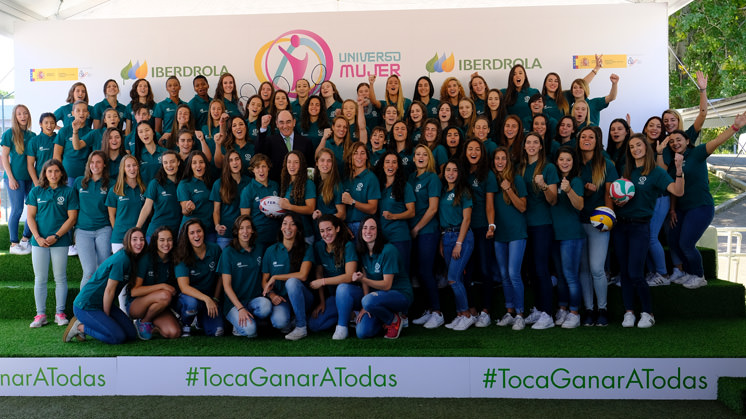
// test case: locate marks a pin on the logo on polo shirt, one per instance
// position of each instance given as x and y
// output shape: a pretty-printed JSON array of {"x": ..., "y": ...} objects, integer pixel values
[
  {"x": 450, "y": 196},
  {"x": 377, "y": 268},
  {"x": 212, "y": 266},
  {"x": 641, "y": 180},
  {"x": 359, "y": 187},
  {"x": 259, "y": 260},
  {"x": 240, "y": 265},
  {"x": 277, "y": 265},
  {"x": 60, "y": 200},
  {"x": 418, "y": 187}
]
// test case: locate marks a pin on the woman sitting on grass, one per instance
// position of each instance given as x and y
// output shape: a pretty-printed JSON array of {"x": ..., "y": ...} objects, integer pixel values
[{"x": 95, "y": 313}]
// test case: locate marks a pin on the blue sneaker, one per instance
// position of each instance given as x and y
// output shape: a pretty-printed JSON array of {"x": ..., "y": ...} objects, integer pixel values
[
  {"x": 603, "y": 318},
  {"x": 144, "y": 329},
  {"x": 589, "y": 318}
]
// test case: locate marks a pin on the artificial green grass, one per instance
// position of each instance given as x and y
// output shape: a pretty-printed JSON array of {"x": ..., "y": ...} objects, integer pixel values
[
  {"x": 732, "y": 393},
  {"x": 677, "y": 338},
  {"x": 263, "y": 407}
]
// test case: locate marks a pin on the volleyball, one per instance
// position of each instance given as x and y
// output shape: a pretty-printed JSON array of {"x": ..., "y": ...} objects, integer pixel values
[
  {"x": 270, "y": 206},
  {"x": 622, "y": 190},
  {"x": 603, "y": 218}
]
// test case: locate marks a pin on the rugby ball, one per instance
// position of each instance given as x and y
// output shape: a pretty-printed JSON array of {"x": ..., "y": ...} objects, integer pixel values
[
  {"x": 621, "y": 190},
  {"x": 270, "y": 206},
  {"x": 603, "y": 218}
]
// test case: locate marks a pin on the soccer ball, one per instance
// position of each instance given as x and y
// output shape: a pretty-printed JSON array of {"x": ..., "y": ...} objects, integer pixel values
[
  {"x": 270, "y": 206},
  {"x": 603, "y": 218},
  {"x": 622, "y": 190}
]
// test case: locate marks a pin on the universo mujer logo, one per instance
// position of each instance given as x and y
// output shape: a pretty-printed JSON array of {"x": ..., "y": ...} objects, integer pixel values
[{"x": 293, "y": 55}]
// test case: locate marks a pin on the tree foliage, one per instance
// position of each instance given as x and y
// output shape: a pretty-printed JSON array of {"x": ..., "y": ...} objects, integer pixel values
[{"x": 707, "y": 35}]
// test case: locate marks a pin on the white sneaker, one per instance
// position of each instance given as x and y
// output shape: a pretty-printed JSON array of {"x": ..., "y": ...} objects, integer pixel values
[
  {"x": 649, "y": 276},
  {"x": 646, "y": 321},
  {"x": 545, "y": 322},
  {"x": 572, "y": 321},
  {"x": 657, "y": 279},
  {"x": 15, "y": 249},
  {"x": 629, "y": 319},
  {"x": 677, "y": 276},
  {"x": 340, "y": 333},
  {"x": 465, "y": 323},
  {"x": 436, "y": 320},
  {"x": 560, "y": 317},
  {"x": 61, "y": 319},
  {"x": 454, "y": 322},
  {"x": 21, "y": 248},
  {"x": 694, "y": 282},
  {"x": 519, "y": 323},
  {"x": 533, "y": 317},
  {"x": 297, "y": 334},
  {"x": 483, "y": 320},
  {"x": 507, "y": 320},
  {"x": 39, "y": 321},
  {"x": 422, "y": 319},
  {"x": 72, "y": 250}
]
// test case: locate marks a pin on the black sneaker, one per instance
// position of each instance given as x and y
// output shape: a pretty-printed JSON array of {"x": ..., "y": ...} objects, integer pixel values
[
  {"x": 589, "y": 319},
  {"x": 603, "y": 318}
]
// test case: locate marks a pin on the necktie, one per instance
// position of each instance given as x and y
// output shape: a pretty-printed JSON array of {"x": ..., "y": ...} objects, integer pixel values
[{"x": 287, "y": 143}]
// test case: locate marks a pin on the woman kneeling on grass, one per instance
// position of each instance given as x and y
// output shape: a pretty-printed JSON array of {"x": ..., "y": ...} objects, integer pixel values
[
  {"x": 95, "y": 313},
  {"x": 385, "y": 283},
  {"x": 154, "y": 288}
]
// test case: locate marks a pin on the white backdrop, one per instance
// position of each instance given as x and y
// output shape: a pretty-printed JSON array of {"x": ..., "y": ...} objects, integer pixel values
[{"x": 349, "y": 45}]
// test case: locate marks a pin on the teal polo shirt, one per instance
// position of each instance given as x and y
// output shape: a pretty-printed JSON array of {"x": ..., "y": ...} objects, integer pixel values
[
  {"x": 101, "y": 107},
  {"x": 565, "y": 218},
  {"x": 166, "y": 208},
  {"x": 277, "y": 262},
  {"x": 196, "y": 191},
  {"x": 388, "y": 262},
  {"x": 128, "y": 208},
  {"x": 41, "y": 148},
  {"x": 229, "y": 212},
  {"x": 647, "y": 190},
  {"x": 73, "y": 160},
  {"x": 520, "y": 107},
  {"x": 150, "y": 163},
  {"x": 331, "y": 206},
  {"x": 93, "y": 213},
  {"x": 424, "y": 186},
  {"x": 598, "y": 198},
  {"x": 363, "y": 188},
  {"x": 116, "y": 267},
  {"x": 166, "y": 110},
  {"x": 697, "y": 182},
  {"x": 395, "y": 230},
  {"x": 537, "y": 207},
  {"x": 52, "y": 206},
  {"x": 17, "y": 161},
  {"x": 266, "y": 227},
  {"x": 510, "y": 224},
  {"x": 479, "y": 191},
  {"x": 310, "y": 194},
  {"x": 202, "y": 274},
  {"x": 451, "y": 215},
  {"x": 200, "y": 109},
  {"x": 65, "y": 114},
  {"x": 325, "y": 259},
  {"x": 244, "y": 267}
]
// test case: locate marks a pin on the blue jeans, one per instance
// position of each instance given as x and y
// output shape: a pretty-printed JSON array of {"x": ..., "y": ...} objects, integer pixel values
[
  {"x": 566, "y": 254},
  {"x": 631, "y": 242},
  {"x": 93, "y": 249},
  {"x": 484, "y": 250},
  {"x": 381, "y": 306},
  {"x": 40, "y": 257},
  {"x": 657, "y": 257},
  {"x": 426, "y": 248},
  {"x": 327, "y": 318},
  {"x": 540, "y": 242},
  {"x": 348, "y": 297},
  {"x": 354, "y": 226},
  {"x": 191, "y": 307},
  {"x": 405, "y": 253},
  {"x": 683, "y": 237},
  {"x": 259, "y": 307},
  {"x": 509, "y": 260},
  {"x": 456, "y": 267},
  {"x": 113, "y": 329},
  {"x": 223, "y": 241},
  {"x": 17, "y": 201},
  {"x": 592, "y": 262},
  {"x": 300, "y": 298}
]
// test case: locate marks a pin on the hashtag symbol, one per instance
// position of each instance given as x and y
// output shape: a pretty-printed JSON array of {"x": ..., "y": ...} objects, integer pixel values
[
  {"x": 489, "y": 378},
  {"x": 192, "y": 376}
]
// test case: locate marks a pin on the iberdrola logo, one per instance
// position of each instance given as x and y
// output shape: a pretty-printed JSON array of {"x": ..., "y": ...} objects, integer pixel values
[
  {"x": 130, "y": 72},
  {"x": 440, "y": 65}
]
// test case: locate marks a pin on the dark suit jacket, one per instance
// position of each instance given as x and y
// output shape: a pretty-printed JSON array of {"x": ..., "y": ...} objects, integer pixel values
[{"x": 274, "y": 146}]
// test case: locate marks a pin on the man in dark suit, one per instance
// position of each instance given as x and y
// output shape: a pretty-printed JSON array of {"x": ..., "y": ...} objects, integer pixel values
[{"x": 276, "y": 146}]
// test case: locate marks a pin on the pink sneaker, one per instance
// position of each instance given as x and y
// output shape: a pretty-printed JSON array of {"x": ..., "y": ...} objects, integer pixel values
[
  {"x": 61, "y": 319},
  {"x": 39, "y": 321}
]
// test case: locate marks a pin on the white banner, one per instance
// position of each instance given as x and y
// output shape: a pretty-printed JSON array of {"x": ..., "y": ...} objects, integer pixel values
[
  {"x": 58, "y": 376},
  {"x": 539, "y": 378},
  {"x": 346, "y": 46}
]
